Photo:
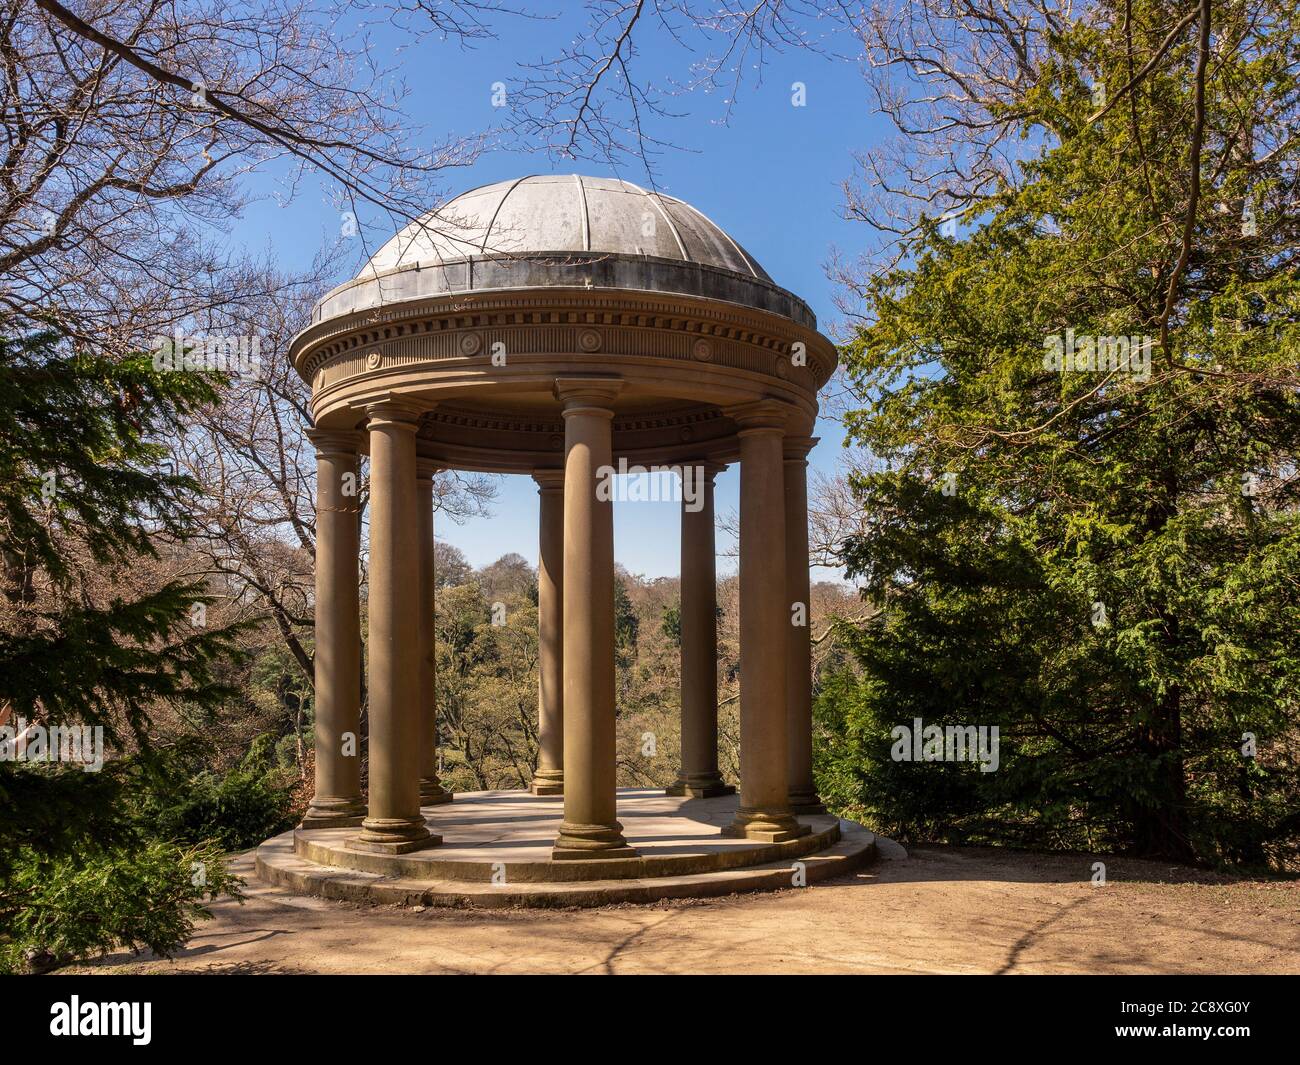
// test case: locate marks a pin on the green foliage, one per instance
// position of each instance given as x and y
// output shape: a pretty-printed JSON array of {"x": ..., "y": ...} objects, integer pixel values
[
  {"x": 106, "y": 665},
  {"x": 487, "y": 683},
  {"x": 149, "y": 895},
  {"x": 236, "y": 810},
  {"x": 80, "y": 456},
  {"x": 626, "y": 623},
  {"x": 1168, "y": 501},
  {"x": 84, "y": 496},
  {"x": 671, "y": 623},
  {"x": 80, "y": 448},
  {"x": 88, "y": 869}
]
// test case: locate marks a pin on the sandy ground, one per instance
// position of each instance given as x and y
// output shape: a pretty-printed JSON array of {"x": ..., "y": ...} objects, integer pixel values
[{"x": 933, "y": 910}]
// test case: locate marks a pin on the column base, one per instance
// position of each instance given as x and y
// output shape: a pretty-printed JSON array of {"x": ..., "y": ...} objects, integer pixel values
[
  {"x": 333, "y": 812},
  {"x": 548, "y": 782},
  {"x": 584, "y": 842},
  {"x": 392, "y": 835},
  {"x": 700, "y": 787},
  {"x": 806, "y": 804},
  {"x": 432, "y": 793},
  {"x": 767, "y": 826}
]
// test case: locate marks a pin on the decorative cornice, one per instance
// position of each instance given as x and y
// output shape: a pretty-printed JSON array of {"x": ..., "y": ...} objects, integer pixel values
[
  {"x": 617, "y": 324},
  {"x": 702, "y": 422}
]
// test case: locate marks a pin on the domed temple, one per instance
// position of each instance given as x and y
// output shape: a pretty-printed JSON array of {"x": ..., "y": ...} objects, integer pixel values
[{"x": 554, "y": 326}]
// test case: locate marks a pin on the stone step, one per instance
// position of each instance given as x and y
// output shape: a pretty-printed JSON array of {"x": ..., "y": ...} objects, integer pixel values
[
  {"x": 277, "y": 864},
  {"x": 673, "y": 857}
]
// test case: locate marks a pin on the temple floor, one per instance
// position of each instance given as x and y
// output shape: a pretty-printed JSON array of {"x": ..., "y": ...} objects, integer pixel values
[{"x": 496, "y": 851}]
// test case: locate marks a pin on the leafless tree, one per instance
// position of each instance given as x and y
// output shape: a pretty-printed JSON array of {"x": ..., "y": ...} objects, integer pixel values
[
  {"x": 133, "y": 132},
  {"x": 257, "y": 472},
  {"x": 132, "y": 125},
  {"x": 599, "y": 99}
]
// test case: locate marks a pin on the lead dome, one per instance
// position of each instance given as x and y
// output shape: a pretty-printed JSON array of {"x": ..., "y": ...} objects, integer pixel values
[{"x": 566, "y": 230}]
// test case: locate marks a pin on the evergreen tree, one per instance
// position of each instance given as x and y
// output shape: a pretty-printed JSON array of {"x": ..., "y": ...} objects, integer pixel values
[
  {"x": 1095, "y": 553},
  {"x": 83, "y": 492}
]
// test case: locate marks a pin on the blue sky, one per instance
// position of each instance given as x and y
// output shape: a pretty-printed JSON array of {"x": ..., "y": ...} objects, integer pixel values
[{"x": 771, "y": 177}]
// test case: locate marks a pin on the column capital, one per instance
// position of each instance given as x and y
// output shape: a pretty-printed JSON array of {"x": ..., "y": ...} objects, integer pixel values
[
  {"x": 796, "y": 448},
  {"x": 335, "y": 441},
  {"x": 398, "y": 413},
  {"x": 549, "y": 480},
  {"x": 425, "y": 469},
  {"x": 763, "y": 415},
  {"x": 593, "y": 394},
  {"x": 709, "y": 467}
]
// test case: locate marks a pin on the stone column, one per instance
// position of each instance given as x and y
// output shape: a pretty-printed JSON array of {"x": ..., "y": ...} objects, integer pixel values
[
  {"x": 393, "y": 822},
  {"x": 549, "y": 778},
  {"x": 699, "y": 777},
  {"x": 432, "y": 793},
  {"x": 337, "y": 800},
  {"x": 590, "y": 828},
  {"x": 764, "y": 812},
  {"x": 798, "y": 699}
]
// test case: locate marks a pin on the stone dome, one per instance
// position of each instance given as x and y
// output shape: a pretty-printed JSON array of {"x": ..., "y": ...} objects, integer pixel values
[
  {"x": 566, "y": 213},
  {"x": 566, "y": 231}
]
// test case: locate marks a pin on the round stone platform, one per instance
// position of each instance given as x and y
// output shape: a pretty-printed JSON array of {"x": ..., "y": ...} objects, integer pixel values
[{"x": 497, "y": 845}]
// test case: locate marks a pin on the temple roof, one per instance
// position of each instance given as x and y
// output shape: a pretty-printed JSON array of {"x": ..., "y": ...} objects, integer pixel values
[{"x": 556, "y": 213}]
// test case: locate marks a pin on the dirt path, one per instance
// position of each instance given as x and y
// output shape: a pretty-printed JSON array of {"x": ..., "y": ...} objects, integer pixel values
[{"x": 939, "y": 909}]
